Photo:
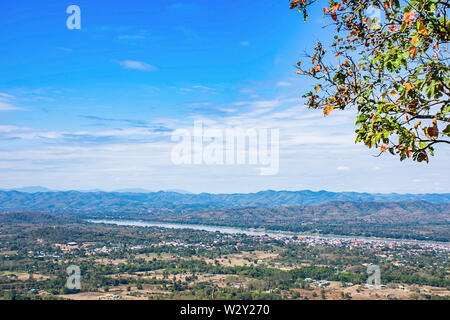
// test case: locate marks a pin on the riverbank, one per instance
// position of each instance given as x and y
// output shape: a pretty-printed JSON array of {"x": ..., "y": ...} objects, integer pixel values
[{"x": 272, "y": 234}]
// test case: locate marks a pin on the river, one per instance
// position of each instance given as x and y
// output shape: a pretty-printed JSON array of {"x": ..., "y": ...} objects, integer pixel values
[{"x": 272, "y": 234}]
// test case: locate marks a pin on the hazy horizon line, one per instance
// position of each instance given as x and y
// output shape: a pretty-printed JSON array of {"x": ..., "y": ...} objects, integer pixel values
[{"x": 184, "y": 191}]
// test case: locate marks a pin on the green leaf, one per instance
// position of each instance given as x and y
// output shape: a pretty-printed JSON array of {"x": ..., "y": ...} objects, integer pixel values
[
  {"x": 446, "y": 131},
  {"x": 445, "y": 109}
]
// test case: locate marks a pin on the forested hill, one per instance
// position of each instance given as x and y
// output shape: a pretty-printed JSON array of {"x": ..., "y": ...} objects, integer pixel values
[
  {"x": 406, "y": 220},
  {"x": 18, "y": 221},
  {"x": 75, "y": 201}
]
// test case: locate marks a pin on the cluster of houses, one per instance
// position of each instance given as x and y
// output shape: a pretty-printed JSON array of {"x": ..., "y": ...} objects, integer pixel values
[
  {"x": 317, "y": 283},
  {"x": 415, "y": 247}
]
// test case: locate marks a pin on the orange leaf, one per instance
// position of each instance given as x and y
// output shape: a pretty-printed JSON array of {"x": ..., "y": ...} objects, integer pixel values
[
  {"x": 393, "y": 28},
  {"x": 409, "y": 86},
  {"x": 327, "y": 110},
  {"x": 412, "y": 52},
  {"x": 294, "y": 4},
  {"x": 409, "y": 17},
  {"x": 335, "y": 7}
]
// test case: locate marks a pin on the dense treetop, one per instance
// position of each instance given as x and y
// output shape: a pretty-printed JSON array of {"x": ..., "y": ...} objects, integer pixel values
[{"x": 390, "y": 60}]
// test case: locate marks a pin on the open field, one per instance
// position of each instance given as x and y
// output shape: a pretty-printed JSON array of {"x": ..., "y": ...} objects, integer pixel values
[{"x": 122, "y": 262}]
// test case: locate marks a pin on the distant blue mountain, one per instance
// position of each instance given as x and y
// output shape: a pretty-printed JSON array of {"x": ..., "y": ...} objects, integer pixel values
[
  {"x": 133, "y": 190},
  {"x": 142, "y": 190},
  {"x": 33, "y": 189},
  {"x": 76, "y": 201},
  {"x": 177, "y": 191}
]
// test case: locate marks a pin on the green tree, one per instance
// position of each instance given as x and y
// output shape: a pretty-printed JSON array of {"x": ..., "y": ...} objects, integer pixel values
[{"x": 390, "y": 60}]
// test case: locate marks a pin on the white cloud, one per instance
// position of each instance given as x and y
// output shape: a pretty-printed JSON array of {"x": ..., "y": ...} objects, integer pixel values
[
  {"x": 205, "y": 88},
  {"x": 5, "y": 95},
  {"x": 7, "y": 107},
  {"x": 6, "y": 103},
  {"x": 131, "y": 37},
  {"x": 311, "y": 149},
  {"x": 246, "y": 91},
  {"x": 199, "y": 88},
  {"x": 230, "y": 110},
  {"x": 136, "y": 65},
  {"x": 283, "y": 84},
  {"x": 244, "y": 43}
]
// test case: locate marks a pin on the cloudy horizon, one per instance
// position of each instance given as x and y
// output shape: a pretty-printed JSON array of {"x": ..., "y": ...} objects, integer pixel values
[{"x": 95, "y": 108}]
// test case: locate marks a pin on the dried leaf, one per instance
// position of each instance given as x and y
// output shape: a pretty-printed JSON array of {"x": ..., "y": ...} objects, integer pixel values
[
  {"x": 412, "y": 52},
  {"x": 433, "y": 132}
]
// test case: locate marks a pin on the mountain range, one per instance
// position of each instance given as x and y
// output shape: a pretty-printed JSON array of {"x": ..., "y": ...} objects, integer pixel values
[
  {"x": 35, "y": 189},
  {"x": 408, "y": 216},
  {"x": 76, "y": 201}
]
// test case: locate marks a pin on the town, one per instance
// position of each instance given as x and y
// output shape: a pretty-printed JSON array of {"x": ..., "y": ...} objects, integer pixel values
[{"x": 128, "y": 262}]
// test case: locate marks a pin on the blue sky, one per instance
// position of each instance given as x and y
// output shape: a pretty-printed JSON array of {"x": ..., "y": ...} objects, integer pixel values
[{"x": 94, "y": 108}]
